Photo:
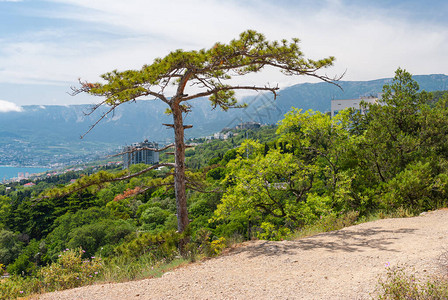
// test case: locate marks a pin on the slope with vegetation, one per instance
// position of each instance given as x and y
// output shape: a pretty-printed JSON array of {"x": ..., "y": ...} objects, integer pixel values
[{"x": 315, "y": 171}]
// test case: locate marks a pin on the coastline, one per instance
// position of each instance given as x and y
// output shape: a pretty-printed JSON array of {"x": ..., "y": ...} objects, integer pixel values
[{"x": 10, "y": 173}]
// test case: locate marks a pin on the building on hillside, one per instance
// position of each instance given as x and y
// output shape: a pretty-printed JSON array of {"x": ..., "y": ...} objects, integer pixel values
[
  {"x": 140, "y": 153},
  {"x": 248, "y": 125},
  {"x": 338, "y": 105},
  {"x": 223, "y": 136}
]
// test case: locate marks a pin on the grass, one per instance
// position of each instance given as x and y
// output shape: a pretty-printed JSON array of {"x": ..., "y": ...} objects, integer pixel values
[
  {"x": 71, "y": 271},
  {"x": 122, "y": 270},
  {"x": 402, "y": 284},
  {"x": 331, "y": 222}
]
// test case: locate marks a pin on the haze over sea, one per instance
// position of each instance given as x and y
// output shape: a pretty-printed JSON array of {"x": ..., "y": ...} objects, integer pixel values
[{"x": 7, "y": 173}]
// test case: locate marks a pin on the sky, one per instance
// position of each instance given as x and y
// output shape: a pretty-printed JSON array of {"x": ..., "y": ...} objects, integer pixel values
[{"x": 46, "y": 46}]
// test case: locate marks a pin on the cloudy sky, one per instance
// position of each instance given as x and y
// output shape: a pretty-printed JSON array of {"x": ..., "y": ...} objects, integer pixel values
[{"x": 45, "y": 46}]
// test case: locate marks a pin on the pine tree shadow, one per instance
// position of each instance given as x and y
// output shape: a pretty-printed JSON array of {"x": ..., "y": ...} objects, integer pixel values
[{"x": 346, "y": 240}]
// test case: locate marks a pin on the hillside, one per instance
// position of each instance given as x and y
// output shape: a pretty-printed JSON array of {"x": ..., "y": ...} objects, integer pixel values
[
  {"x": 44, "y": 134},
  {"x": 343, "y": 264}
]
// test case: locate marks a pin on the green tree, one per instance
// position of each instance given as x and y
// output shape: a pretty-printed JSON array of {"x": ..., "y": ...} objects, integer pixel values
[
  {"x": 10, "y": 246},
  {"x": 319, "y": 140},
  {"x": 209, "y": 69},
  {"x": 273, "y": 189},
  {"x": 401, "y": 151},
  {"x": 5, "y": 210}
]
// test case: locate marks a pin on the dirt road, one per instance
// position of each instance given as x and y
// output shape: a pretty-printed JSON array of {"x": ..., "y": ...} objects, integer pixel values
[{"x": 343, "y": 264}]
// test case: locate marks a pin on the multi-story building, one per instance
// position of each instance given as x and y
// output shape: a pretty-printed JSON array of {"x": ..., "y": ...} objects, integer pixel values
[{"x": 140, "y": 153}]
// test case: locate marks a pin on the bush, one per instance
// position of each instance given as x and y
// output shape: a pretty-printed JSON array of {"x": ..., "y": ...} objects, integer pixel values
[
  {"x": 400, "y": 285},
  {"x": 270, "y": 232},
  {"x": 335, "y": 222},
  {"x": 92, "y": 237},
  {"x": 154, "y": 216},
  {"x": 69, "y": 271},
  {"x": 17, "y": 286},
  {"x": 22, "y": 266},
  {"x": 157, "y": 246},
  {"x": 416, "y": 187},
  {"x": 217, "y": 246}
]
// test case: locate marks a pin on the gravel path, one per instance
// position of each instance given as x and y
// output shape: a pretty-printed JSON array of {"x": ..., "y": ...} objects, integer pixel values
[{"x": 343, "y": 264}]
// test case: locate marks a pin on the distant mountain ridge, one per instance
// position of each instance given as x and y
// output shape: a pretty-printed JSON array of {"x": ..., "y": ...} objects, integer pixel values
[{"x": 133, "y": 122}]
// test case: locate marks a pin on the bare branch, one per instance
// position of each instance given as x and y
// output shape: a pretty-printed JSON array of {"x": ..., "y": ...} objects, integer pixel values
[
  {"x": 193, "y": 185},
  {"x": 104, "y": 115},
  {"x": 227, "y": 88}
]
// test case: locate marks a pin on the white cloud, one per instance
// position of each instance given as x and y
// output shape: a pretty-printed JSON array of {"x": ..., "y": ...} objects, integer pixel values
[
  {"x": 6, "y": 106},
  {"x": 89, "y": 38}
]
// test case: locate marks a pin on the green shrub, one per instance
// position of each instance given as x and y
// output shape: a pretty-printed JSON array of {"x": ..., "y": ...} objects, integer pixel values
[
  {"x": 200, "y": 244},
  {"x": 157, "y": 246},
  {"x": 217, "y": 246},
  {"x": 91, "y": 237},
  {"x": 69, "y": 271},
  {"x": 337, "y": 221},
  {"x": 17, "y": 286},
  {"x": 416, "y": 187},
  {"x": 22, "y": 266},
  {"x": 270, "y": 232},
  {"x": 154, "y": 216}
]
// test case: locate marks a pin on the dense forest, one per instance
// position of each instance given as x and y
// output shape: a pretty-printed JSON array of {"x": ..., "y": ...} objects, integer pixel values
[{"x": 268, "y": 183}]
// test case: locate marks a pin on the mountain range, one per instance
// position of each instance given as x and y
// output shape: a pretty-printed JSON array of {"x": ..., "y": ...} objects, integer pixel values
[{"x": 40, "y": 127}]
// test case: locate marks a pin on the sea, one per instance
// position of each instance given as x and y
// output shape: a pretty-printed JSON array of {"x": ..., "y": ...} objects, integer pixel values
[{"x": 8, "y": 173}]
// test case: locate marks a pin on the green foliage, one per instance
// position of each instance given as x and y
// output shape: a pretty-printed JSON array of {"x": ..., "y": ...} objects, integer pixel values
[
  {"x": 58, "y": 238},
  {"x": 29, "y": 259},
  {"x": 248, "y": 54},
  {"x": 270, "y": 232},
  {"x": 319, "y": 140},
  {"x": 415, "y": 187},
  {"x": 5, "y": 210},
  {"x": 70, "y": 270},
  {"x": 221, "y": 152},
  {"x": 336, "y": 221},
  {"x": 271, "y": 187},
  {"x": 17, "y": 286},
  {"x": 22, "y": 266},
  {"x": 216, "y": 173},
  {"x": 396, "y": 129},
  {"x": 154, "y": 217},
  {"x": 158, "y": 246},
  {"x": 10, "y": 246},
  {"x": 317, "y": 174},
  {"x": 217, "y": 246},
  {"x": 93, "y": 237}
]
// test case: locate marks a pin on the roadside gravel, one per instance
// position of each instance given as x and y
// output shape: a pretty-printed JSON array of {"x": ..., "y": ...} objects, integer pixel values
[{"x": 343, "y": 264}]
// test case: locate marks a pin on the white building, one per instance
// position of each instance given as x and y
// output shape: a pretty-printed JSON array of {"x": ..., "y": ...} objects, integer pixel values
[{"x": 338, "y": 105}]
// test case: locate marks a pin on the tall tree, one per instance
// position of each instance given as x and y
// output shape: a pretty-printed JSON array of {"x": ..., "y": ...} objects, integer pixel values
[{"x": 203, "y": 73}]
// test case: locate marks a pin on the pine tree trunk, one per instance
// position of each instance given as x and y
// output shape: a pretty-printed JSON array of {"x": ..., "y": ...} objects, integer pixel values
[{"x": 179, "y": 171}]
